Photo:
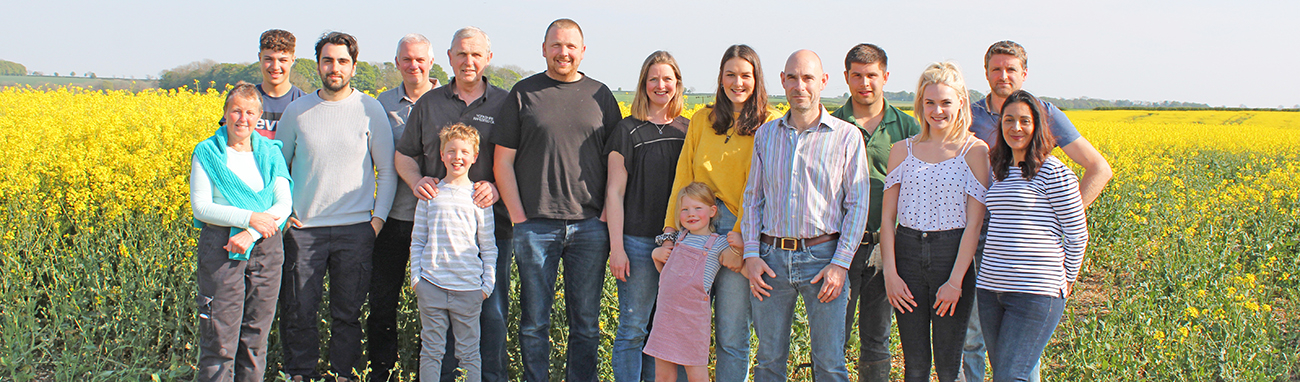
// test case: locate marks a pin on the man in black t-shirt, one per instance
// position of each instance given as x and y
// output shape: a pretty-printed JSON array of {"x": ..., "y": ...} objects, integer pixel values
[{"x": 550, "y": 170}]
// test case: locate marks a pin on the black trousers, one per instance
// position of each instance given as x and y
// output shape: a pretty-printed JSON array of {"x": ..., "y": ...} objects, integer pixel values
[
  {"x": 925, "y": 261},
  {"x": 344, "y": 253}
]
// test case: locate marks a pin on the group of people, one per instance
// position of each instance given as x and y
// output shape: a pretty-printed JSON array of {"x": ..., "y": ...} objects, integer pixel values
[{"x": 958, "y": 222}]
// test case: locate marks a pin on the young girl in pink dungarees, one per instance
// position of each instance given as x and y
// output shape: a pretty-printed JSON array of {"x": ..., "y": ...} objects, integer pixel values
[{"x": 680, "y": 335}]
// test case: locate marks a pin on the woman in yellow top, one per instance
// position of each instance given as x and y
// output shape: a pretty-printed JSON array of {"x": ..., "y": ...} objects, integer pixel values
[{"x": 719, "y": 143}]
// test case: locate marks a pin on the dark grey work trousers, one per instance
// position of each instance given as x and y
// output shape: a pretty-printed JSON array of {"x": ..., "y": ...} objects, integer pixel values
[
  {"x": 236, "y": 303},
  {"x": 344, "y": 252}
]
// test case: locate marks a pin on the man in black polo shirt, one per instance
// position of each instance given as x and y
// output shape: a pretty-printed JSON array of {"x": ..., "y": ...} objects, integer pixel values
[
  {"x": 550, "y": 167},
  {"x": 471, "y": 100},
  {"x": 881, "y": 124}
]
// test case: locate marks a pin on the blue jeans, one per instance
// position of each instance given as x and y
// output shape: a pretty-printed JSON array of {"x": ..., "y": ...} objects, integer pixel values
[
  {"x": 540, "y": 245},
  {"x": 731, "y": 314},
  {"x": 774, "y": 314},
  {"x": 636, "y": 303},
  {"x": 972, "y": 359},
  {"x": 1029, "y": 320}
]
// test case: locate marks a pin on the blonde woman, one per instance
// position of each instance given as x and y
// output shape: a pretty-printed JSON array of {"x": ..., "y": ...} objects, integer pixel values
[
  {"x": 933, "y": 211},
  {"x": 643, "y": 151}
]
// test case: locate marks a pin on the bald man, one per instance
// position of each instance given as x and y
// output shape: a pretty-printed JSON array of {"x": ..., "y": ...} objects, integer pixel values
[{"x": 805, "y": 210}]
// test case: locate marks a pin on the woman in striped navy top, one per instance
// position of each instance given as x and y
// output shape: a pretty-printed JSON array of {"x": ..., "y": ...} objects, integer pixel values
[{"x": 1036, "y": 239}]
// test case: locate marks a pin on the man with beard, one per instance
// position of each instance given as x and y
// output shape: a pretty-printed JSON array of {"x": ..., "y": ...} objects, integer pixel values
[
  {"x": 550, "y": 168},
  {"x": 339, "y": 147},
  {"x": 805, "y": 210},
  {"x": 471, "y": 100}
]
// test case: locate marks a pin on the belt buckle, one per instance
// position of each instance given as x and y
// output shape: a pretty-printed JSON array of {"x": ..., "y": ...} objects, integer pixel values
[{"x": 793, "y": 243}]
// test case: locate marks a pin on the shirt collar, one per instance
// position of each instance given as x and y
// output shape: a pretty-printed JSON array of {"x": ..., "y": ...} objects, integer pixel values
[
  {"x": 825, "y": 120},
  {"x": 451, "y": 89},
  {"x": 891, "y": 114}
]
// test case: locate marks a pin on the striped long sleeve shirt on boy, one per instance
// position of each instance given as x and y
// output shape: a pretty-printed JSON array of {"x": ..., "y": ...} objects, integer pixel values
[{"x": 453, "y": 244}]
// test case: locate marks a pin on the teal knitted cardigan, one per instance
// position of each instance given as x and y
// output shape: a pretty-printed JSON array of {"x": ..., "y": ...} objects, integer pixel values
[{"x": 211, "y": 153}]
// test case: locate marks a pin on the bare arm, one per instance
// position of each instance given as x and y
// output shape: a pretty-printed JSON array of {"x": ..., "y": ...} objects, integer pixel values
[
  {"x": 948, "y": 295},
  {"x": 504, "y": 169},
  {"x": 896, "y": 291},
  {"x": 1096, "y": 171},
  {"x": 615, "y": 189}
]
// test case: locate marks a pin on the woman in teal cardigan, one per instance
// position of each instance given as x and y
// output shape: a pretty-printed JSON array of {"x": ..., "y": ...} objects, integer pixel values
[{"x": 240, "y": 193}]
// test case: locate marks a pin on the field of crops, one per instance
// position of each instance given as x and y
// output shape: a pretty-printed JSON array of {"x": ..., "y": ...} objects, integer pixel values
[{"x": 1193, "y": 272}]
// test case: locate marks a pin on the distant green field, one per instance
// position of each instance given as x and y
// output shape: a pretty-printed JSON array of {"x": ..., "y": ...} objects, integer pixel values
[{"x": 99, "y": 83}]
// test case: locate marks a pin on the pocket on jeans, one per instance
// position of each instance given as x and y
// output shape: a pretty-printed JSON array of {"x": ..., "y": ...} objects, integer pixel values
[{"x": 823, "y": 251}]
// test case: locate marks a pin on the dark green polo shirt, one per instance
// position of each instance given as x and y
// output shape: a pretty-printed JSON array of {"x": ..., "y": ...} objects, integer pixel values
[{"x": 894, "y": 126}]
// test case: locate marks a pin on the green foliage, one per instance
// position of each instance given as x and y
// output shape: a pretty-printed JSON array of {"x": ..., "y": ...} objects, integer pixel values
[
  {"x": 438, "y": 73},
  {"x": 506, "y": 76},
  {"x": 304, "y": 75},
  {"x": 203, "y": 75},
  {"x": 10, "y": 68}
]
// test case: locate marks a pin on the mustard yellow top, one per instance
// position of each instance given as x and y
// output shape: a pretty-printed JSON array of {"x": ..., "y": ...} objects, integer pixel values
[{"x": 720, "y": 162}]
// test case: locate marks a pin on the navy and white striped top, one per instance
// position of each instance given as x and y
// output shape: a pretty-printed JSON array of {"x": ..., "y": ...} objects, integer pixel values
[{"x": 1037, "y": 232}]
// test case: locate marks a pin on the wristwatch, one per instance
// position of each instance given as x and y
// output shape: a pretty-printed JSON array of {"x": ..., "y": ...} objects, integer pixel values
[{"x": 670, "y": 236}]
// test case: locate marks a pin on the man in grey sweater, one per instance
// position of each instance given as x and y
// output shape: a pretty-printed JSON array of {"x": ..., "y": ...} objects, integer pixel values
[{"x": 339, "y": 147}]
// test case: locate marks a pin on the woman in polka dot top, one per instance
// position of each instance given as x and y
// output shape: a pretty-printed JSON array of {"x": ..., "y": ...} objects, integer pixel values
[{"x": 932, "y": 214}]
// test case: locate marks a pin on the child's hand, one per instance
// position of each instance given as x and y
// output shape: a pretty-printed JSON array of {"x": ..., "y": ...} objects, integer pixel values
[
  {"x": 660, "y": 256},
  {"x": 485, "y": 296}
]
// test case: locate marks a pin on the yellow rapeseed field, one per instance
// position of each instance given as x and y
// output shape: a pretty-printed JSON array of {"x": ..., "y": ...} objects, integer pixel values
[{"x": 1193, "y": 272}]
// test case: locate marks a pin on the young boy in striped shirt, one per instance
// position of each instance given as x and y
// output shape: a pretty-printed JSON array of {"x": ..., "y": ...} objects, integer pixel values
[{"x": 453, "y": 259}]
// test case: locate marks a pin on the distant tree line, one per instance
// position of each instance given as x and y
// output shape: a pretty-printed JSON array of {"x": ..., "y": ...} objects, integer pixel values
[
  {"x": 10, "y": 68},
  {"x": 910, "y": 97},
  {"x": 371, "y": 77},
  {"x": 1075, "y": 103}
]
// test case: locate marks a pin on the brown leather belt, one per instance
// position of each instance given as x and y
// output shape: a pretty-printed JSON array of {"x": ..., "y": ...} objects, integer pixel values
[{"x": 794, "y": 244}]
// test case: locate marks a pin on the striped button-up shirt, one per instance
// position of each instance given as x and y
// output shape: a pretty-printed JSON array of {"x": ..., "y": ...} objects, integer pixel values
[{"x": 807, "y": 184}]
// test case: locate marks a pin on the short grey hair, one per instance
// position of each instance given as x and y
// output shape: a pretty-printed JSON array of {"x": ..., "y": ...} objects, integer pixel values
[
  {"x": 467, "y": 32},
  {"x": 414, "y": 38}
]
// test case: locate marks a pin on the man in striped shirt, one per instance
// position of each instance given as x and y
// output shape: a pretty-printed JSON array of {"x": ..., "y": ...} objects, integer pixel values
[{"x": 805, "y": 210}]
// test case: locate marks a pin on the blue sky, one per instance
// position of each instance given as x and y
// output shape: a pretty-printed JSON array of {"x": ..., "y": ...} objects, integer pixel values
[{"x": 1221, "y": 53}]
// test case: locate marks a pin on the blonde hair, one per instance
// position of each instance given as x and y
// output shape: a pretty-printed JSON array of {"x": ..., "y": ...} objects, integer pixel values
[
  {"x": 459, "y": 131},
  {"x": 641, "y": 103},
  {"x": 701, "y": 193},
  {"x": 948, "y": 74}
]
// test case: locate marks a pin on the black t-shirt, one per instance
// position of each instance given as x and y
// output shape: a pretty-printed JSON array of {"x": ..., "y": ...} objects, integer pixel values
[
  {"x": 650, "y": 155},
  {"x": 559, "y": 130},
  {"x": 440, "y": 108}
]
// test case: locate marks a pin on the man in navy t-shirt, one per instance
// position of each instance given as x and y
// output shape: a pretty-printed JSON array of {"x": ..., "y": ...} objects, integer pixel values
[{"x": 276, "y": 57}]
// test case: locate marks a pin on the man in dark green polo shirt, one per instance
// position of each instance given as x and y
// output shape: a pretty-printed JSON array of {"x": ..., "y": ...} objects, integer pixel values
[{"x": 865, "y": 70}]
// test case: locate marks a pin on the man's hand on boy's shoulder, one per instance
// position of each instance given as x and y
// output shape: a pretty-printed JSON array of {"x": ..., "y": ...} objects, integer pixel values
[
  {"x": 426, "y": 188},
  {"x": 485, "y": 194}
]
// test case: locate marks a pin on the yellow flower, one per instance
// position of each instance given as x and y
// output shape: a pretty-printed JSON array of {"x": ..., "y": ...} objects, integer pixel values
[{"x": 1192, "y": 312}]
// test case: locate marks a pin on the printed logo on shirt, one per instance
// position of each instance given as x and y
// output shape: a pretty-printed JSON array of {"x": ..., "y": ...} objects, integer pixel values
[{"x": 483, "y": 118}]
